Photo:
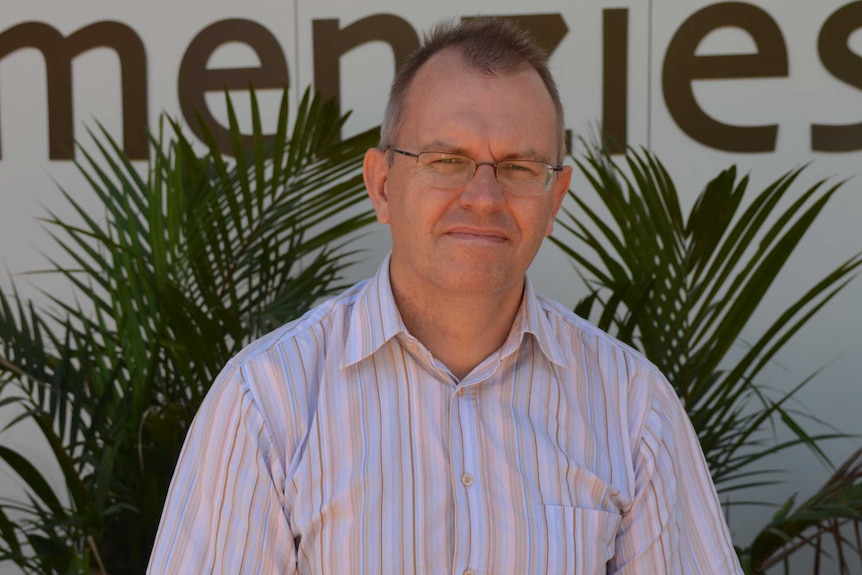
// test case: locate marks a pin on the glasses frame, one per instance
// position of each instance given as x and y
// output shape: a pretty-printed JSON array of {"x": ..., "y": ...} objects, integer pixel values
[{"x": 551, "y": 168}]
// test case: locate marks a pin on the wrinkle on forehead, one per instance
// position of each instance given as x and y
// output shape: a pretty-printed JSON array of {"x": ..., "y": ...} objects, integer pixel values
[{"x": 450, "y": 147}]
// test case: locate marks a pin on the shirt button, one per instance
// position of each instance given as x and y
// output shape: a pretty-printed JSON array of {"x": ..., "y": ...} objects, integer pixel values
[
  {"x": 467, "y": 480},
  {"x": 469, "y": 572}
]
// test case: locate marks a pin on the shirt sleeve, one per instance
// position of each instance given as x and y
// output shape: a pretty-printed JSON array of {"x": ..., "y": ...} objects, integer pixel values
[
  {"x": 675, "y": 525},
  {"x": 225, "y": 509}
]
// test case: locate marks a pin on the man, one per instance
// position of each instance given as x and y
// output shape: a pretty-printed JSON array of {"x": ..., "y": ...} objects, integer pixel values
[{"x": 442, "y": 417}]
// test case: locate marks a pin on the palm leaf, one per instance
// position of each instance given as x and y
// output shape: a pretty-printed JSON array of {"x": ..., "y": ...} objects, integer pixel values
[
  {"x": 682, "y": 290},
  {"x": 193, "y": 258}
]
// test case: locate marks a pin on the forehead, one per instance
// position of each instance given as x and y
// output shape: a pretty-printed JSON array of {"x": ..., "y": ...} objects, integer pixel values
[{"x": 449, "y": 100}]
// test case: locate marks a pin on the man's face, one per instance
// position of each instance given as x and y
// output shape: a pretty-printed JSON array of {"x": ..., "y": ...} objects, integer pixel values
[{"x": 475, "y": 238}]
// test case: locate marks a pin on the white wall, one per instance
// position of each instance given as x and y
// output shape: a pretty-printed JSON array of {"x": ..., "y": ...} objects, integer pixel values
[{"x": 807, "y": 94}]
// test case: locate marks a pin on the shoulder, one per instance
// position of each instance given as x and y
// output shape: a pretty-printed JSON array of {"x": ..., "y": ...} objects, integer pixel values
[
  {"x": 578, "y": 336},
  {"x": 312, "y": 328},
  {"x": 602, "y": 362},
  {"x": 279, "y": 374},
  {"x": 283, "y": 368}
]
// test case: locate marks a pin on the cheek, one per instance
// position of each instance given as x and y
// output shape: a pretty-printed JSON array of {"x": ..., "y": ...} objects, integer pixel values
[
  {"x": 405, "y": 219},
  {"x": 417, "y": 214},
  {"x": 536, "y": 222}
]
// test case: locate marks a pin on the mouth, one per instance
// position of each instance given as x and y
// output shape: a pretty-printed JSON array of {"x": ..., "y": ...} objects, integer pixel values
[{"x": 477, "y": 234}]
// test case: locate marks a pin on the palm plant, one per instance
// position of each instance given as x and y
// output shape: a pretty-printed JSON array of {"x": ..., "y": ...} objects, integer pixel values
[
  {"x": 190, "y": 262},
  {"x": 683, "y": 289}
]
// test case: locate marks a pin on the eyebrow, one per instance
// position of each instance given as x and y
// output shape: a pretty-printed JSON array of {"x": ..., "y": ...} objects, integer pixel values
[{"x": 443, "y": 146}]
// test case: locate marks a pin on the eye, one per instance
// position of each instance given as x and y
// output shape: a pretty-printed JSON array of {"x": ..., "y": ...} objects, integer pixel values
[
  {"x": 445, "y": 162},
  {"x": 449, "y": 160},
  {"x": 522, "y": 169}
]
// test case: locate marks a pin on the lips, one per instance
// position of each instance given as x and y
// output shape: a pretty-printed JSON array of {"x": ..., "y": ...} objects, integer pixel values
[{"x": 478, "y": 234}]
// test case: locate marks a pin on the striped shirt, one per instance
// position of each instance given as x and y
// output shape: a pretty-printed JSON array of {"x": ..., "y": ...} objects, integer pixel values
[{"x": 339, "y": 445}]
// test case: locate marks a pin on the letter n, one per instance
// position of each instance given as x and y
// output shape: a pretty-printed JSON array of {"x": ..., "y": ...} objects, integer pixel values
[
  {"x": 58, "y": 52},
  {"x": 331, "y": 42}
]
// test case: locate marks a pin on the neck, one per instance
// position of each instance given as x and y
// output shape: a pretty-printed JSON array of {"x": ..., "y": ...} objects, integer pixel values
[{"x": 459, "y": 329}]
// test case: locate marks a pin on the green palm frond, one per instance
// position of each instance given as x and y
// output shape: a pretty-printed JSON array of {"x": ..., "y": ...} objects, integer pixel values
[
  {"x": 683, "y": 289},
  {"x": 192, "y": 259},
  {"x": 834, "y": 512}
]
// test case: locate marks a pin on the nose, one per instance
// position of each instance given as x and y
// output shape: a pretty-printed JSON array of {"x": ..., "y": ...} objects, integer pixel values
[{"x": 483, "y": 191}]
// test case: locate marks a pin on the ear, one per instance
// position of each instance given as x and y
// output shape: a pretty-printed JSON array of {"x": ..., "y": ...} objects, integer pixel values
[
  {"x": 375, "y": 172},
  {"x": 561, "y": 186}
]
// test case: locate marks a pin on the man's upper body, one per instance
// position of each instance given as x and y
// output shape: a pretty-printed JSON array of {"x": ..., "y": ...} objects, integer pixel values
[
  {"x": 442, "y": 417},
  {"x": 339, "y": 444}
]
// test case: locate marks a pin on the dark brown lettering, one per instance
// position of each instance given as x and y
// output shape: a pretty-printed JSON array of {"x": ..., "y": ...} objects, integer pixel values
[
  {"x": 844, "y": 64},
  {"x": 615, "y": 66},
  {"x": 58, "y": 53},
  {"x": 331, "y": 42},
  {"x": 682, "y": 66},
  {"x": 195, "y": 79}
]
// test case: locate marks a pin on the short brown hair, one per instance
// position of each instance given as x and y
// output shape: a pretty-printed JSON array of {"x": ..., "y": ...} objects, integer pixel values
[{"x": 491, "y": 46}]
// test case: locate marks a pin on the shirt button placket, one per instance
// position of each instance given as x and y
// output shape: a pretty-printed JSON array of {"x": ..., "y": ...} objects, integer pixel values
[{"x": 470, "y": 510}]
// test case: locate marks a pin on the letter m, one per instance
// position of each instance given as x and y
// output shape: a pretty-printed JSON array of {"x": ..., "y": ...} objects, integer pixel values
[{"x": 58, "y": 52}]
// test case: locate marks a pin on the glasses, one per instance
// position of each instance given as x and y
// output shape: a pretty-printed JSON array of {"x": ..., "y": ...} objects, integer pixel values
[{"x": 447, "y": 171}]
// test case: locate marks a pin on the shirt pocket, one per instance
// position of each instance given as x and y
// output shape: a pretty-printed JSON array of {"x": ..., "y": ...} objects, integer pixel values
[{"x": 580, "y": 541}]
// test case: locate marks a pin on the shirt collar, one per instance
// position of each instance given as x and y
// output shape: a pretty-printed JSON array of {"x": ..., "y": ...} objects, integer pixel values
[
  {"x": 375, "y": 320},
  {"x": 532, "y": 318}
]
